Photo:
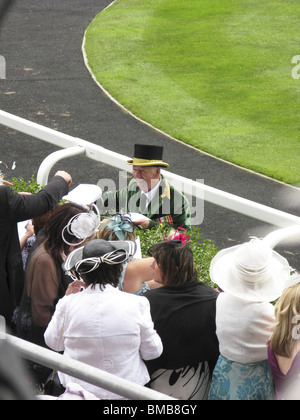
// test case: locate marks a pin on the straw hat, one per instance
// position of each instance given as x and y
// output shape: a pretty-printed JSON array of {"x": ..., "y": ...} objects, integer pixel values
[
  {"x": 147, "y": 155},
  {"x": 251, "y": 271}
]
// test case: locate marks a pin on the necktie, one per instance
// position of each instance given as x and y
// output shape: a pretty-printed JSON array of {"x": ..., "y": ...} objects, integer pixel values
[{"x": 143, "y": 203}]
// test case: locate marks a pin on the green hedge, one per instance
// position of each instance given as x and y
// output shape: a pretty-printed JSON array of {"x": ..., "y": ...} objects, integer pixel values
[{"x": 20, "y": 185}]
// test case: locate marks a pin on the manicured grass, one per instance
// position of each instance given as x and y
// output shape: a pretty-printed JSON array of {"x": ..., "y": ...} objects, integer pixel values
[{"x": 215, "y": 74}]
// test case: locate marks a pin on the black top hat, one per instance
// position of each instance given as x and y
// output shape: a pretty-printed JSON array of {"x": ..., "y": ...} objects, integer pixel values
[{"x": 147, "y": 155}]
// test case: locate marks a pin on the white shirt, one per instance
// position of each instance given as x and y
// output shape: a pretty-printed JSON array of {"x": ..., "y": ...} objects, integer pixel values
[
  {"x": 150, "y": 194},
  {"x": 109, "y": 329},
  {"x": 243, "y": 328}
]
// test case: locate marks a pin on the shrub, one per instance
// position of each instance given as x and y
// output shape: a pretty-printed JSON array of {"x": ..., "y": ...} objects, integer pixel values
[{"x": 20, "y": 185}]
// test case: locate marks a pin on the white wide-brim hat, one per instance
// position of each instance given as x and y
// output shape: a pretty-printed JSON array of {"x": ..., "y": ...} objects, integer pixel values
[{"x": 252, "y": 271}]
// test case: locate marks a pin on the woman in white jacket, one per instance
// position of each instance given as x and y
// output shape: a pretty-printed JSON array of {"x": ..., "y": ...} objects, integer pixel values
[
  {"x": 251, "y": 276},
  {"x": 102, "y": 326}
]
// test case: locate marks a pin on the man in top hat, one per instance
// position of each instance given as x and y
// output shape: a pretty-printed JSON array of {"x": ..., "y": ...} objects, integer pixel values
[{"x": 149, "y": 193}]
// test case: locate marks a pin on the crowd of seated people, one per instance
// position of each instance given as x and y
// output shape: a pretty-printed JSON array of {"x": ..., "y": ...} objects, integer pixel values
[{"x": 89, "y": 294}]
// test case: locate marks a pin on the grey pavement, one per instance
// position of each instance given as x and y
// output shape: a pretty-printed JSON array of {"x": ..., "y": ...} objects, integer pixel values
[{"x": 47, "y": 82}]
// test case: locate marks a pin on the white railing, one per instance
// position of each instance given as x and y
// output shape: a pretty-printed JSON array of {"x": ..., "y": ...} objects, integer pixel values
[
  {"x": 82, "y": 371},
  {"x": 286, "y": 236},
  {"x": 74, "y": 146}
]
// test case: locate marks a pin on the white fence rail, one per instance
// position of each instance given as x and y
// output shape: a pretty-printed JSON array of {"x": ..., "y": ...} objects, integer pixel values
[
  {"x": 72, "y": 146},
  {"x": 286, "y": 236},
  {"x": 82, "y": 371}
]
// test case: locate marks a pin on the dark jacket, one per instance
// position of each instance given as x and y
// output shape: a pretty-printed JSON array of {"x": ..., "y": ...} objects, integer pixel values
[
  {"x": 13, "y": 209},
  {"x": 184, "y": 318}
]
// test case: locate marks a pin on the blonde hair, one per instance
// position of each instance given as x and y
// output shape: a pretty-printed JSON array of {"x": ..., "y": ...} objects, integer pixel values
[
  {"x": 287, "y": 314},
  {"x": 107, "y": 232}
]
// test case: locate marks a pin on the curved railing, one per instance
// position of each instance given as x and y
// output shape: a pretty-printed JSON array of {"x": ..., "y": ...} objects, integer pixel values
[{"x": 72, "y": 146}]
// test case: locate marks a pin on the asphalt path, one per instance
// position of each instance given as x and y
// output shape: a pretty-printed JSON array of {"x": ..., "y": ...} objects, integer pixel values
[{"x": 47, "y": 82}]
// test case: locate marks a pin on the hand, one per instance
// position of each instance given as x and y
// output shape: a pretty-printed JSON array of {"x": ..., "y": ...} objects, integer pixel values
[
  {"x": 6, "y": 183},
  {"x": 67, "y": 177},
  {"x": 29, "y": 232},
  {"x": 172, "y": 233},
  {"x": 24, "y": 193},
  {"x": 143, "y": 223},
  {"x": 75, "y": 287},
  {"x": 29, "y": 229}
]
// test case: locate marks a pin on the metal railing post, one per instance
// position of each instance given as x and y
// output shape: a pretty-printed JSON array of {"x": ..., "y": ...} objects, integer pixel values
[
  {"x": 53, "y": 158},
  {"x": 290, "y": 235},
  {"x": 83, "y": 371}
]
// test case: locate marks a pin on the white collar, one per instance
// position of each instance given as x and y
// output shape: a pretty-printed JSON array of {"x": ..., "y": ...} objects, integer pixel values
[
  {"x": 96, "y": 288},
  {"x": 150, "y": 194}
]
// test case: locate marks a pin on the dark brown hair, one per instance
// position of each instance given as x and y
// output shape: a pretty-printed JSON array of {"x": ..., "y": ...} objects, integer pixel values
[
  {"x": 104, "y": 274},
  {"x": 176, "y": 262},
  {"x": 54, "y": 242},
  {"x": 40, "y": 222}
]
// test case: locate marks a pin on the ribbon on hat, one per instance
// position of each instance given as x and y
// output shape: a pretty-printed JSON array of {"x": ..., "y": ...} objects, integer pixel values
[
  {"x": 118, "y": 224},
  {"x": 117, "y": 256},
  {"x": 82, "y": 225}
]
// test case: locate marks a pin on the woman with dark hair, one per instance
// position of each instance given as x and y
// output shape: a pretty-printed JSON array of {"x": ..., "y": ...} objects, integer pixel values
[
  {"x": 46, "y": 282},
  {"x": 103, "y": 326},
  {"x": 34, "y": 232},
  {"x": 183, "y": 312}
]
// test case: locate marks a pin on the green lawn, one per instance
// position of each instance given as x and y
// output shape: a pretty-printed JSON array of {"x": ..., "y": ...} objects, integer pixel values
[{"x": 216, "y": 74}]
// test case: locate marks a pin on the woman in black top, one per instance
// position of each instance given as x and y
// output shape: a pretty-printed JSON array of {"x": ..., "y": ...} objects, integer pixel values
[{"x": 183, "y": 312}]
